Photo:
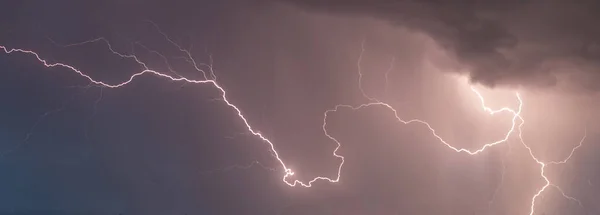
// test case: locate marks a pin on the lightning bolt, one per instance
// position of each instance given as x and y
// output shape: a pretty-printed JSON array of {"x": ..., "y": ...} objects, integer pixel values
[
  {"x": 288, "y": 173},
  {"x": 543, "y": 166},
  {"x": 516, "y": 115},
  {"x": 147, "y": 70}
]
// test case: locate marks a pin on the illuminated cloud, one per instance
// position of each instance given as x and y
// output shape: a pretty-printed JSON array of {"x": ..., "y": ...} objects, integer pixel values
[{"x": 530, "y": 43}]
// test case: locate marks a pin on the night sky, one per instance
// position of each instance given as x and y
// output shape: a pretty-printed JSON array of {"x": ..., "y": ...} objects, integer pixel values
[{"x": 157, "y": 146}]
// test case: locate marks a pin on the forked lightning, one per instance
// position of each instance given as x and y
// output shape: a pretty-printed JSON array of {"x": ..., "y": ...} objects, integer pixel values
[{"x": 372, "y": 102}]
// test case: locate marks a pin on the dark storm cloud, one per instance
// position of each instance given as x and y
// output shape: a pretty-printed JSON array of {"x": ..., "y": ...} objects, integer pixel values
[{"x": 515, "y": 42}]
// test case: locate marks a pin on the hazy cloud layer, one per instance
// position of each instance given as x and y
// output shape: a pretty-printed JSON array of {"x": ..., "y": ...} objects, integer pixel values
[{"x": 516, "y": 42}]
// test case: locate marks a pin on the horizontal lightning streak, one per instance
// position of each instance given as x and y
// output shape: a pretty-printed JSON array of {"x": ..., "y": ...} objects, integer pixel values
[{"x": 287, "y": 171}]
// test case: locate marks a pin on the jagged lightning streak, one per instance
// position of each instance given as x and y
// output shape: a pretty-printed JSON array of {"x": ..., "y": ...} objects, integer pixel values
[
  {"x": 166, "y": 61},
  {"x": 287, "y": 171},
  {"x": 516, "y": 115},
  {"x": 360, "y": 74},
  {"x": 188, "y": 53},
  {"x": 146, "y": 70},
  {"x": 377, "y": 102},
  {"x": 543, "y": 166}
]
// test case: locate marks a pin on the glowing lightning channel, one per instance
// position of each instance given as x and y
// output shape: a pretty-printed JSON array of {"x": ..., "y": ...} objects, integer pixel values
[
  {"x": 543, "y": 168},
  {"x": 288, "y": 172},
  {"x": 188, "y": 53},
  {"x": 166, "y": 61},
  {"x": 360, "y": 74},
  {"x": 516, "y": 115},
  {"x": 376, "y": 102}
]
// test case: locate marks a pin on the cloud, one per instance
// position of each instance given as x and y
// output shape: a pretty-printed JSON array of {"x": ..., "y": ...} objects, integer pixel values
[{"x": 516, "y": 42}]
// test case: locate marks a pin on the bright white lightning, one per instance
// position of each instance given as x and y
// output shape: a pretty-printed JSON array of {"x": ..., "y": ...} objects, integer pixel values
[
  {"x": 543, "y": 166},
  {"x": 287, "y": 171},
  {"x": 516, "y": 115}
]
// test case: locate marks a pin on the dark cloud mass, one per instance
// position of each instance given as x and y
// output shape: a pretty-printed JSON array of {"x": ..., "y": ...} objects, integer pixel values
[{"x": 516, "y": 42}]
